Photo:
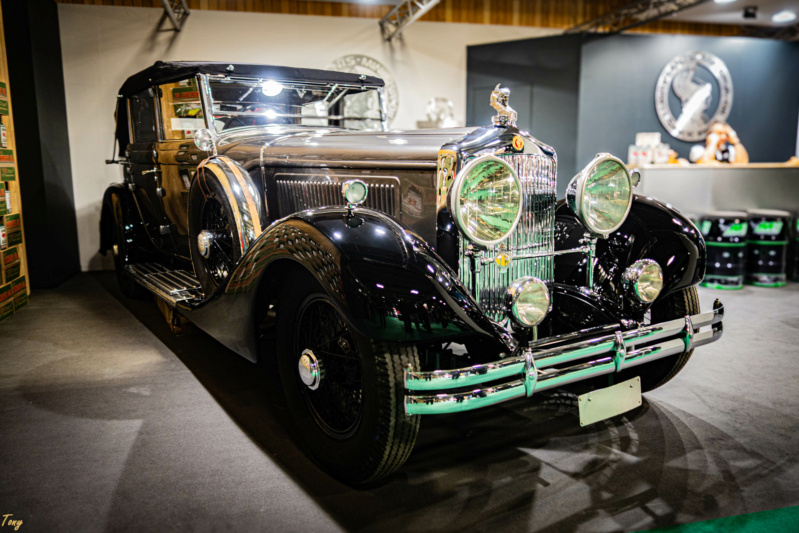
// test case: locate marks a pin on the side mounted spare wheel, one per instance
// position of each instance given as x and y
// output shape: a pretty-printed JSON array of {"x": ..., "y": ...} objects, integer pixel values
[{"x": 224, "y": 219}]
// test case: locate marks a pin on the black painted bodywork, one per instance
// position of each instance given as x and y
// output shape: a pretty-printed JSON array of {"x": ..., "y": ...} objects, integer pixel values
[{"x": 652, "y": 230}]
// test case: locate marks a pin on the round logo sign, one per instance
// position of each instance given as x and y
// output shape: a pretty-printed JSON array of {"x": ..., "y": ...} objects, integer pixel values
[
  {"x": 360, "y": 64},
  {"x": 702, "y": 89}
]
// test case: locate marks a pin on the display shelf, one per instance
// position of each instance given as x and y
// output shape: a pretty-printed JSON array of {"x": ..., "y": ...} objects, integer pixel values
[{"x": 14, "y": 288}]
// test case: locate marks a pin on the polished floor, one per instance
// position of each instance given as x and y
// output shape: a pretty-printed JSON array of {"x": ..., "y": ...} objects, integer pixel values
[{"x": 109, "y": 422}]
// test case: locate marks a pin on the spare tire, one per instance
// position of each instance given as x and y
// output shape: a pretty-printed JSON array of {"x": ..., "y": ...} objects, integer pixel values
[{"x": 222, "y": 224}]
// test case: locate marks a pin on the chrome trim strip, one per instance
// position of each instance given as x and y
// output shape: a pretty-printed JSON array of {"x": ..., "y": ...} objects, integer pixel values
[
  {"x": 605, "y": 354},
  {"x": 172, "y": 286}
]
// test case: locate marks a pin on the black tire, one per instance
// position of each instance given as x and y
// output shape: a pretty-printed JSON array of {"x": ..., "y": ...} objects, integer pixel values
[
  {"x": 121, "y": 253},
  {"x": 657, "y": 373},
  {"x": 210, "y": 210},
  {"x": 354, "y": 424}
]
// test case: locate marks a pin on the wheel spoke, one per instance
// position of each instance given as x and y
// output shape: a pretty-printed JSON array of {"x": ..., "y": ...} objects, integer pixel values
[{"x": 336, "y": 404}]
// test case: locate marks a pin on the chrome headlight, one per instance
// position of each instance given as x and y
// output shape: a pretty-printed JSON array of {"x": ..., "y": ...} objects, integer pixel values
[
  {"x": 601, "y": 194},
  {"x": 485, "y": 200}
]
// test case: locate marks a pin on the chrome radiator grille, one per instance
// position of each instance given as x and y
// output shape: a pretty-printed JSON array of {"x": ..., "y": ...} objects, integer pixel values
[
  {"x": 534, "y": 234},
  {"x": 299, "y": 195}
]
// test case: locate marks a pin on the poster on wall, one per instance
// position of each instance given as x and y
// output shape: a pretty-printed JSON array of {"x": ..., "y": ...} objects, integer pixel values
[
  {"x": 7, "y": 172},
  {"x": 702, "y": 88},
  {"x": 361, "y": 64},
  {"x": 3, "y": 99}
]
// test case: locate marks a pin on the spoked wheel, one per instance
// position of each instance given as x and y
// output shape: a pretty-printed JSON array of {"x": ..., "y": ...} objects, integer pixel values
[
  {"x": 344, "y": 392},
  {"x": 214, "y": 238},
  {"x": 660, "y": 371},
  {"x": 329, "y": 367}
]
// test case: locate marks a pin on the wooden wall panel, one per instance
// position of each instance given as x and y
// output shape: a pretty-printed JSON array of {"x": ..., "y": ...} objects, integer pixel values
[
  {"x": 13, "y": 186},
  {"x": 537, "y": 13}
]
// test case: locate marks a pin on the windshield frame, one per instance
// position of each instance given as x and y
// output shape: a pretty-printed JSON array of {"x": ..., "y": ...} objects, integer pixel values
[{"x": 206, "y": 98}]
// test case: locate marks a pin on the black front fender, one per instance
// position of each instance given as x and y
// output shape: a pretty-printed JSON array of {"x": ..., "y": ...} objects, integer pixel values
[
  {"x": 652, "y": 230},
  {"x": 389, "y": 284}
]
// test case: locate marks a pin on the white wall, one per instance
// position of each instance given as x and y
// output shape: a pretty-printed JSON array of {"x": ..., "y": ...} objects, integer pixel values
[{"x": 102, "y": 46}]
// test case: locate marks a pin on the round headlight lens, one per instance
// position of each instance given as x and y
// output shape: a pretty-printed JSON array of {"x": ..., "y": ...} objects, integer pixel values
[
  {"x": 601, "y": 194},
  {"x": 486, "y": 200},
  {"x": 645, "y": 278},
  {"x": 527, "y": 301}
]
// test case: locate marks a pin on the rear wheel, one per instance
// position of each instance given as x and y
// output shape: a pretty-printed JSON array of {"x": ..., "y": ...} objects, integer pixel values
[
  {"x": 344, "y": 391},
  {"x": 657, "y": 373},
  {"x": 121, "y": 252}
]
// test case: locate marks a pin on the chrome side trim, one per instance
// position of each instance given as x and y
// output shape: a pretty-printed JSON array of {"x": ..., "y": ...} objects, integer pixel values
[{"x": 595, "y": 357}]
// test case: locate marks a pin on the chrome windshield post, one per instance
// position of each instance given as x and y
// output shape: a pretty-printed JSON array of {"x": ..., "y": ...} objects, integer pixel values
[{"x": 206, "y": 100}]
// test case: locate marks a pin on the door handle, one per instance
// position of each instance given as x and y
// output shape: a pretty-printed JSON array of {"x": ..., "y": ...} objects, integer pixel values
[{"x": 151, "y": 171}]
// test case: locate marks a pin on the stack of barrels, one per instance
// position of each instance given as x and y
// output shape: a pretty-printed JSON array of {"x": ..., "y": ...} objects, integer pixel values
[{"x": 747, "y": 246}]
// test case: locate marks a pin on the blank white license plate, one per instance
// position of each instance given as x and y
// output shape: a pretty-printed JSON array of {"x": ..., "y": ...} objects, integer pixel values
[{"x": 609, "y": 402}]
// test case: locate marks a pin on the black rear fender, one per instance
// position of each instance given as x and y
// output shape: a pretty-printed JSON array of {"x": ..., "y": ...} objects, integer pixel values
[{"x": 117, "y": 195}]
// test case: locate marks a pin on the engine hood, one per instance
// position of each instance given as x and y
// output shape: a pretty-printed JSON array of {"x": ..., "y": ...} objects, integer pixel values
[{"x": 307, "y": 147}]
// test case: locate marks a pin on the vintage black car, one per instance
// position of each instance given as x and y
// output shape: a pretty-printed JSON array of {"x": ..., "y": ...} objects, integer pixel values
[{"x": 393, "y": 274}]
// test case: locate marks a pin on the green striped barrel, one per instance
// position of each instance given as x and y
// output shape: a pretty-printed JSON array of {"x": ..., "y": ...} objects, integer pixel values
[
  {"x": 768, "y": 247},
  {"x": 725, "y": 235}
]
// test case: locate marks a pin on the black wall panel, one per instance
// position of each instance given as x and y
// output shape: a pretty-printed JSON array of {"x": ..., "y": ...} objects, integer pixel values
[
  {"x": 36, "y": 80},
  {"x": 617, "y": 88},
  {"x": 590, "y": 94},
  {"x": 543, "y": 76}
]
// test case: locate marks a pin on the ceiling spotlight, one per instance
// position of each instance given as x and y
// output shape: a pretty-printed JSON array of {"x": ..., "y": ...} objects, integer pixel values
[
  {"x": 784, "y": 16},
  {"x": 750, "y": 12},
  {"x": 724, "y": 1}
]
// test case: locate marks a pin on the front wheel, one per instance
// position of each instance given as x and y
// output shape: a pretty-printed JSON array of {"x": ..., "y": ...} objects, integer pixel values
[
  {"x": 344, "y": 391},
  {"x": 657, "y": 373}
]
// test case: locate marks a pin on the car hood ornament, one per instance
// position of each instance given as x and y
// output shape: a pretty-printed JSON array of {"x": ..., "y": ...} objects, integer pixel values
[{"x": 506, "y": 115}]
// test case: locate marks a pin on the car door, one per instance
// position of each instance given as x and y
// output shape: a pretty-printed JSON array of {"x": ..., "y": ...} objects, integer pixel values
[
  {"x": 144, "y": 169},
  {"x": 180, "y": 113}
]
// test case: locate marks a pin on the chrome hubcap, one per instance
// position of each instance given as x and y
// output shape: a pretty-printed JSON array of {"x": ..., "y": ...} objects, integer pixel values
[
  {"x": 204, "y": 241},
  {"x": 310, "y": 369}
]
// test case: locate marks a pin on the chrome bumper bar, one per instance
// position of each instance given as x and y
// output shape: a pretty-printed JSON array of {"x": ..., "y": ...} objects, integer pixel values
[{"x": 533, "y": 368}]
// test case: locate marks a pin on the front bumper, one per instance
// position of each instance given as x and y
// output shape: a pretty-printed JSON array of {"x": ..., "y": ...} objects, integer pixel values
[{"x": 536, "y": 369}]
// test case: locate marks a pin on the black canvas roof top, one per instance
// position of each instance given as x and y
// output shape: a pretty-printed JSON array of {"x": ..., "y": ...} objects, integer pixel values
[{"x": 171, "y": 71}]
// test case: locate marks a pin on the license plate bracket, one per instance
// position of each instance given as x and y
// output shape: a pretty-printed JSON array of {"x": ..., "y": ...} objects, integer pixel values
[{"x": 611, "y": 401}]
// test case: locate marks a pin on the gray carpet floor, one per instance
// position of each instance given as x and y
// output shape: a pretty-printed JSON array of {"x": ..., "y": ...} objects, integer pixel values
[{"x": 109, "y": 422}]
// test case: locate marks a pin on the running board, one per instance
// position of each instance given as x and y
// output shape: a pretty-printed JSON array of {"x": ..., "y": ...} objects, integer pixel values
[{"x": 174, "y": 286}]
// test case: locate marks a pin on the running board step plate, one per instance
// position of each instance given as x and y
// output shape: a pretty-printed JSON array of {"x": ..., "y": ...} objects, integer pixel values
[{"x": 174, "y": 286}]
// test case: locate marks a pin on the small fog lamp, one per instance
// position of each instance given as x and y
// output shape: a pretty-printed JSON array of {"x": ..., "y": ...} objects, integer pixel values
[
  {"x": 527, "y": 301},
  {"x": 645, "y": 279},
  {"x": 355, "y": 192}
]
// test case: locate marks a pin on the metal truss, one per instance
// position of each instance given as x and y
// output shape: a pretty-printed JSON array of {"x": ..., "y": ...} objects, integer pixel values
[
  {"x": 634, "y": 14},
  {"x": 405, "y": 13},
  {"x": 177, "y": 11}
]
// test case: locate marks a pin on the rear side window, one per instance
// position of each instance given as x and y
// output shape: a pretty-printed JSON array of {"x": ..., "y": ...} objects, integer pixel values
[{"x": 142, "y": 111}]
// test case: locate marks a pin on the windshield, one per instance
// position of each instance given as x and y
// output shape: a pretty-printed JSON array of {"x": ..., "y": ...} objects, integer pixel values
[{"x": 239, "y": 103}]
